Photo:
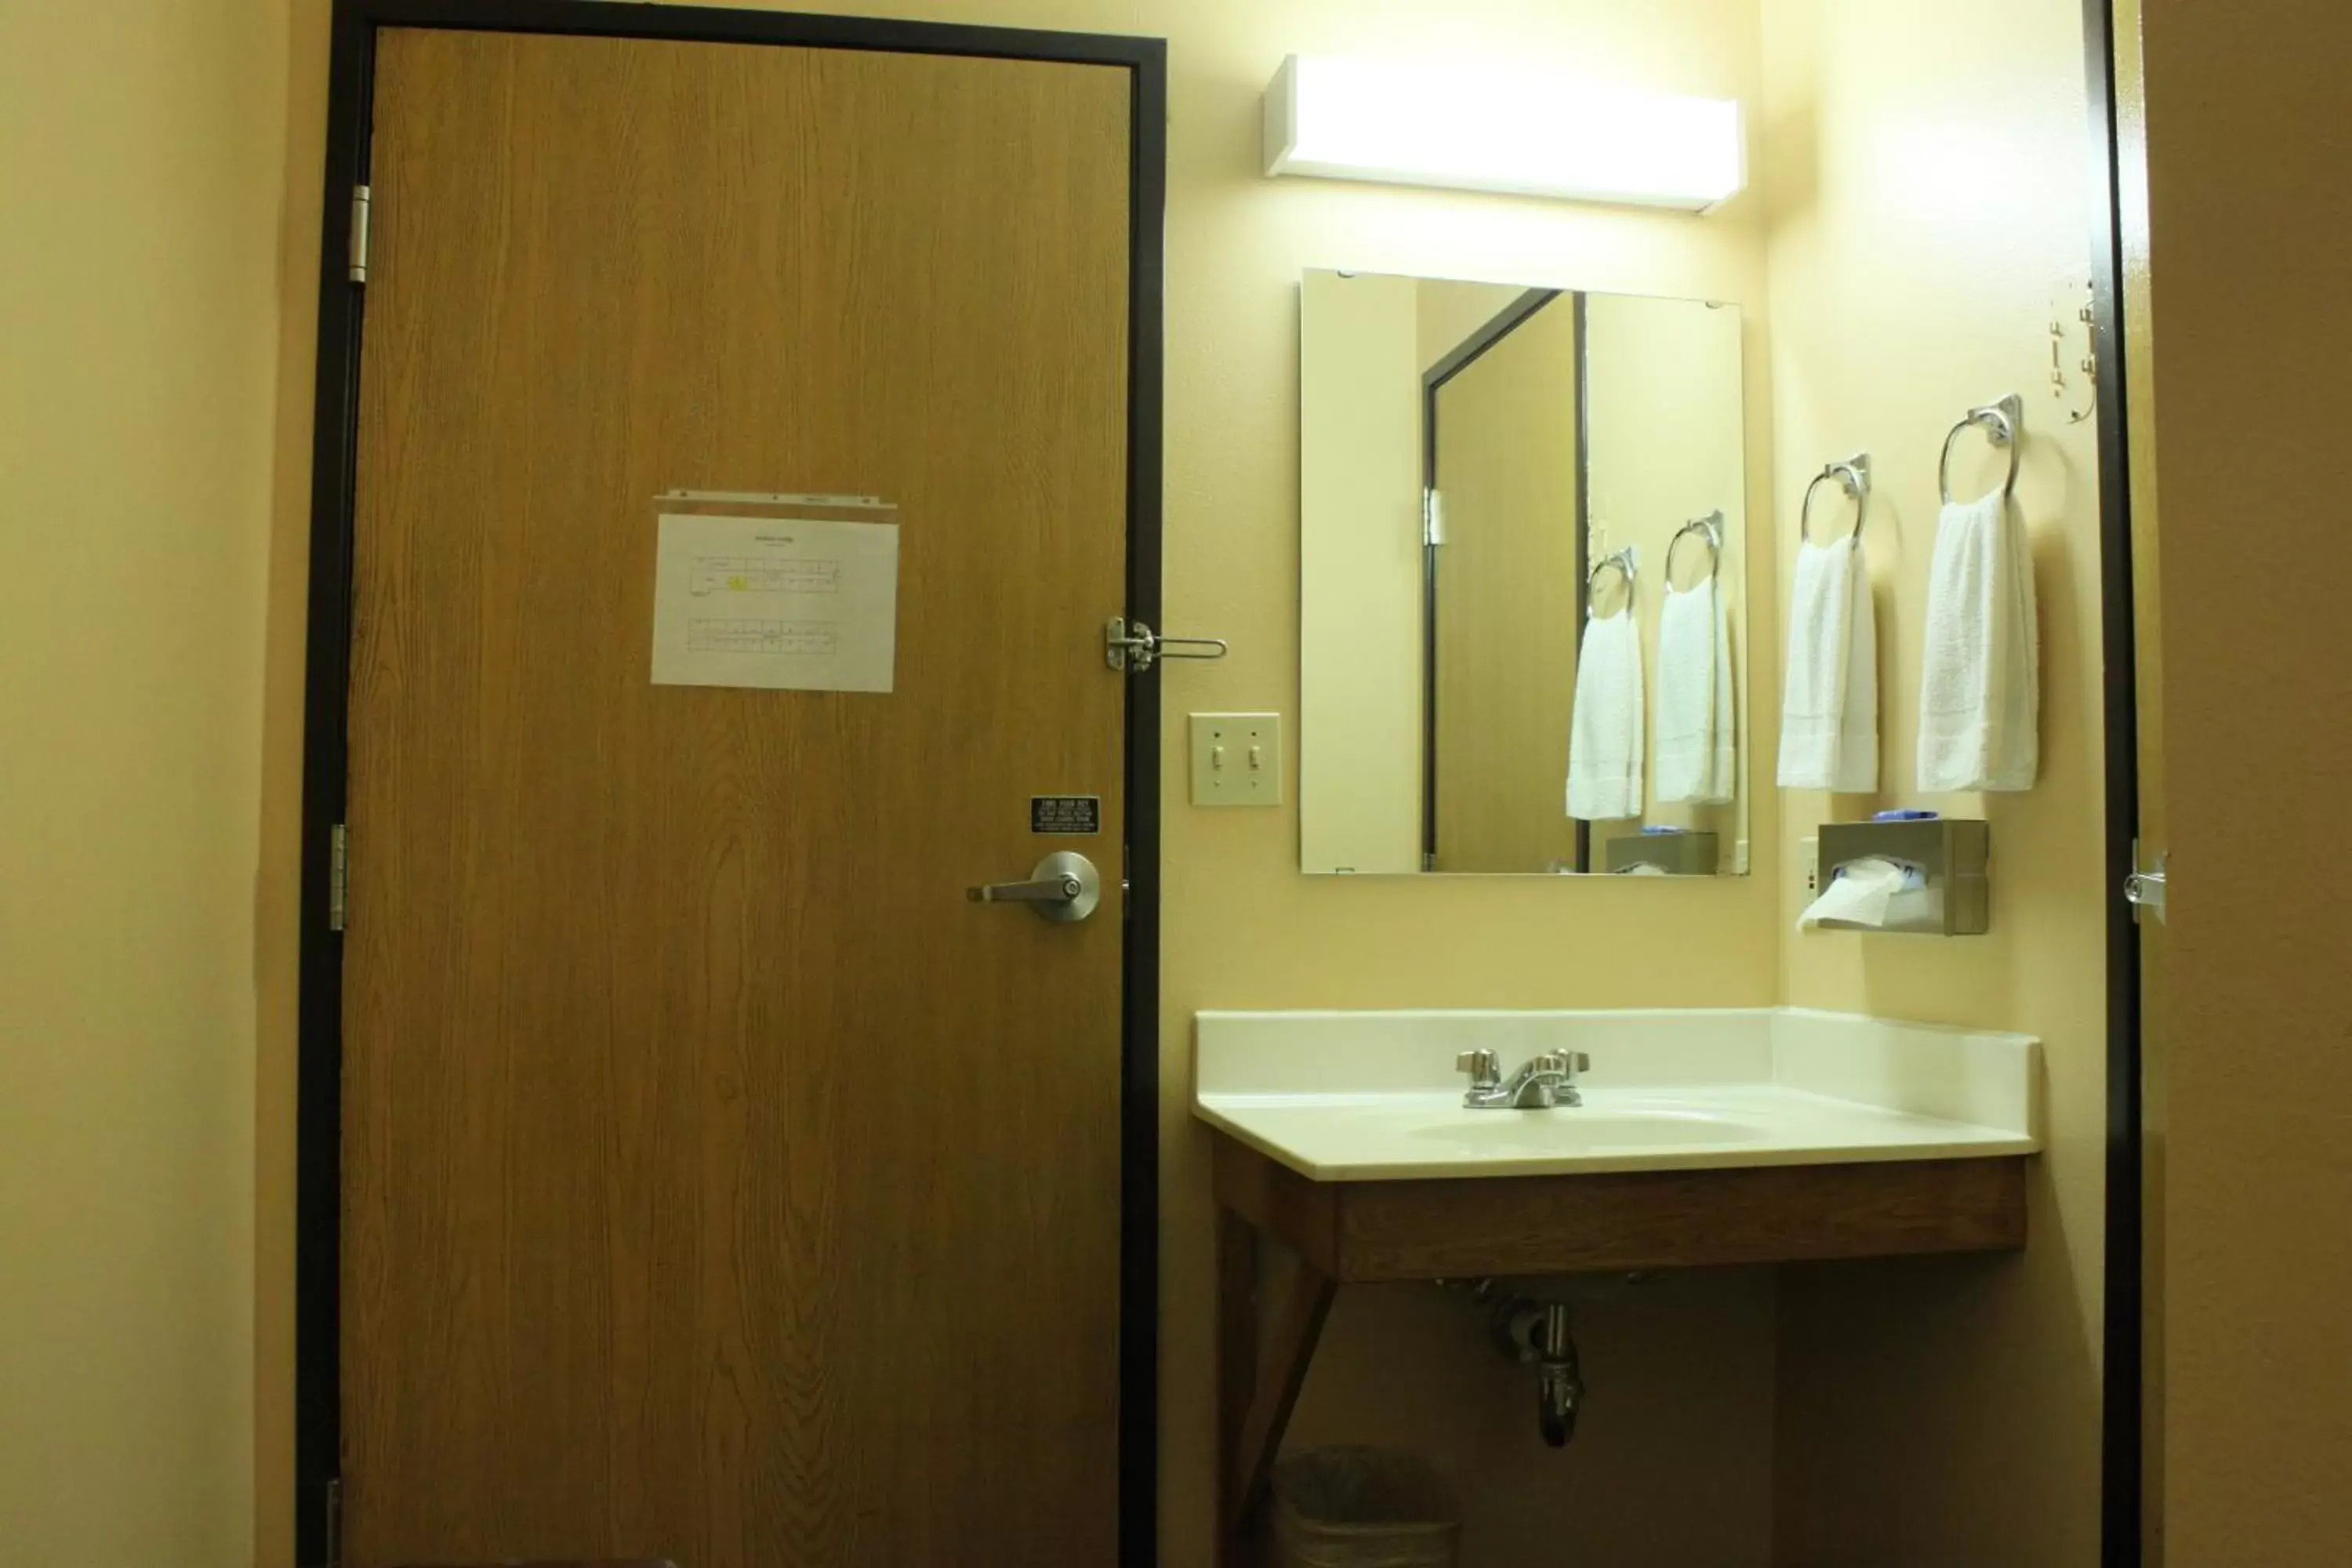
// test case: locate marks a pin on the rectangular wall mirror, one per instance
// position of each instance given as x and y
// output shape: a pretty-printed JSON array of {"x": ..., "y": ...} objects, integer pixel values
[{"x": 1518, "y": 503}]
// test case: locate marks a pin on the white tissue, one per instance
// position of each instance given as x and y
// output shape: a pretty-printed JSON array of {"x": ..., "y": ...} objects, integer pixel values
[{"x": 1861, "y": 892}]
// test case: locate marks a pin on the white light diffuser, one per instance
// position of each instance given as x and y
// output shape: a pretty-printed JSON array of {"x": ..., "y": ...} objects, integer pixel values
[{"x": 1500, "y": 130}]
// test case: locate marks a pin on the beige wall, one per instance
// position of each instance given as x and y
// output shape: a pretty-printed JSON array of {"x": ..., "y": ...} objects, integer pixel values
[
  {"x": 1451, "y": 309},
  {"x": 1243, "y": 928},
  {"x": 1360, "y": 574},
  {"x": 2246, "y": 141},
  {"x": 141, "y": 164},
  {"x": 1929, "y": 184},
  {"x": 1665, "y": 393}
]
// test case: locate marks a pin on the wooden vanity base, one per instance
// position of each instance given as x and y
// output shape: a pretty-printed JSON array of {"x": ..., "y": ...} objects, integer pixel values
[{"x": 1364, "y": 1232}]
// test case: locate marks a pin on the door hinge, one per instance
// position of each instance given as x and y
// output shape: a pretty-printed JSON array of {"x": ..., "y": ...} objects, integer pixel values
[
  {"x": 334, "y": 1523},
  {"x": 1432, "y": 518},
  {"x": 339, "y": 876},
  {"x": 360, "y": 234},
  {"x": 1134, "y": 647},
  {"x": 2144, "y": 889}
]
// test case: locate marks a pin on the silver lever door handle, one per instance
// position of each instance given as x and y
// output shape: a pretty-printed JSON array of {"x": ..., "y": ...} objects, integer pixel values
[
  {"x": 1062, "y": 887},
  {"x": 1052, "y": 890}
]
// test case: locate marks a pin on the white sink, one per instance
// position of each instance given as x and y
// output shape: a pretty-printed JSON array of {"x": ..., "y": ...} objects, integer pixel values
[
  {"x": 1589, "y": 1129},
  {"x": 1369, "y": 1096}
]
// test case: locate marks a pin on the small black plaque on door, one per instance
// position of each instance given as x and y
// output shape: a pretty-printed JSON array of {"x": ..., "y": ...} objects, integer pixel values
[{"x": 1065, "y": 814}]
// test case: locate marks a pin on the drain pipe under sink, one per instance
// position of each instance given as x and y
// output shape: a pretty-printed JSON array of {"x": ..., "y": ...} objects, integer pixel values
[{"x": 1537, "y": 1334}]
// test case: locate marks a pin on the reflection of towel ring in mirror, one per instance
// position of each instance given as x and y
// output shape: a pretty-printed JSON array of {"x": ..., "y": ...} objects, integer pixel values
[
  {"x": 1709, "y": 528},
  {"x": 1853, "y": 477},
  {"x": 2003, "y": 422},
  {"x": 1623, "y": 559}
]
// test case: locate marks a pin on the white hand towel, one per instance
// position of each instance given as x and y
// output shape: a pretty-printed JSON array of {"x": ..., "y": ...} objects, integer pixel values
[
  {"x": 1980, "y": 681},
  {"x": 1694, "y": 741},
  {"x": 1828, "y": 710},
  {"x": 1604, "y": 737}
]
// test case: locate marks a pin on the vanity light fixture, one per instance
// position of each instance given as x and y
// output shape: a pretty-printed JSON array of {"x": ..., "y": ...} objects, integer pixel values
[{"x": 1483, "y": 129}]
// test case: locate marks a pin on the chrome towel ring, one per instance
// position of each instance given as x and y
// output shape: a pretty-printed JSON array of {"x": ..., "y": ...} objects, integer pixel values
[
  {"x": 1853, "y": 477},
  {"x": 2004, "y": 422},
  {"x": 1709, "y": 528},
  {"x": 1623, "y": 559}
]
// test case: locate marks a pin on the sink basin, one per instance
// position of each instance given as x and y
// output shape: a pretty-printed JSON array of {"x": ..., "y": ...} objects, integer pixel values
[
  {"x": 1569, "y": 1129},
  {"x": 1370, "y": 1097}
]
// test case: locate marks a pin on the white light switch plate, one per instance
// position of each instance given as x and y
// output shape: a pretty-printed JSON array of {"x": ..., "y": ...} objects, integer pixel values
[{"x": 1237, "y": 759}]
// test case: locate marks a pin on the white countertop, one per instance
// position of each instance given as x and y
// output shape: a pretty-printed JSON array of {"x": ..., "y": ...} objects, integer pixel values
[{"x": 1372, "y": 1096}]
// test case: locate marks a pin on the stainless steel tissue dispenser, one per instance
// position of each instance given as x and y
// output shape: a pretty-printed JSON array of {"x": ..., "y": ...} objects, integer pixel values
[
  {"x": 1951, "y": 854},
  {"x": 1677, "y": 854}
]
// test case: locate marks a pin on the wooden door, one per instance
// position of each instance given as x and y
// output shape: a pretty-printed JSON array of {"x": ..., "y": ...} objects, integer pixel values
[
  {"x": 1507, "y": 597},
  {"x": 719, "y": 1184}
]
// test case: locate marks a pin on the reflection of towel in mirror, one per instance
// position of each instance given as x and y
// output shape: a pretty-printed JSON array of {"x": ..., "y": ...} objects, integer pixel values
[
  {"x": 1604, "y": 738},
  {"x": 1694, "y": 736},
  {"x": 1829, "y": 712},
  {"x": 1980, "y": 681}
]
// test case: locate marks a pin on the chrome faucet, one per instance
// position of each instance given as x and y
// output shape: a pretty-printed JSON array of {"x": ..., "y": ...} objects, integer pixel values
[{"x": 1546, "y": 1080}]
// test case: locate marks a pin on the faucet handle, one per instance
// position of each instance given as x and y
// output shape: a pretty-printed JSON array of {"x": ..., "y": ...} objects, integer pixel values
[{"x": 1485, "y": 1071}]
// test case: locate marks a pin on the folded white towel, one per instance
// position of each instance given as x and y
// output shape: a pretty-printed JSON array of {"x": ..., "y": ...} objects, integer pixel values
[
  {"x": 1695, "y": 737},
  {"x": 1829, "y": 710},
  {"x": 1980, "y": 681},
  {"x": 1604, "y": 738}
]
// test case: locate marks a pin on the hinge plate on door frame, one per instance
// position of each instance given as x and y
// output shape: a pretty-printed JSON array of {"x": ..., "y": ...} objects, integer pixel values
[
  {"x": 1433, "y": 517},
  {"x": 2144, "y": 890},
  {"x": 338, "y": 878},
  {"x": 335, "y": 1522},
  {"x": 361, "y": 198}
]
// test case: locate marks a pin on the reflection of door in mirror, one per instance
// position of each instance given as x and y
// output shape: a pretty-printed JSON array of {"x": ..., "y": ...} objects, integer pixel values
[
  {"x": 1467, "y": 451},
  {"x": 1502, "y": 452}
]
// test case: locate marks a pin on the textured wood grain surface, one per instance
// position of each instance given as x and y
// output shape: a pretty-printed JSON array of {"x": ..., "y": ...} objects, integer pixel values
[
  {"x": 719, "y": 1184},
  {"x": 1369, "y": 1231},
  {"x": 1670, "y": 1219},
  {"x": 1303, "y": 1214},
  {"x": 1237, "y": 1355},
  {"x": 1295, "y": 1327}
]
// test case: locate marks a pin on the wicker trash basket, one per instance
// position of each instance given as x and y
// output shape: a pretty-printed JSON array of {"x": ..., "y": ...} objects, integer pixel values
[{"x": 1362, "y": 1508}]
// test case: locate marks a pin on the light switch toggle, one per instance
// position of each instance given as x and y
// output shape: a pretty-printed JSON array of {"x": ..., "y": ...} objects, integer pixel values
[{"x": 1252, "y": 741}]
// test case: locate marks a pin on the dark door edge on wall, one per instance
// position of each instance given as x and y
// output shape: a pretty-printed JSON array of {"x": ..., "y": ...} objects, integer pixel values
[
  {"x": 2123, "y": 1336},
  {"x": 317, "y": 1396}
]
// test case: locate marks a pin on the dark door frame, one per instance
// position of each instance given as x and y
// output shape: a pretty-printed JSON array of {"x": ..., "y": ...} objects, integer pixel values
[
  {"x": 318, "y": 1400},
  {"x": 2123, "y": 1336}
]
